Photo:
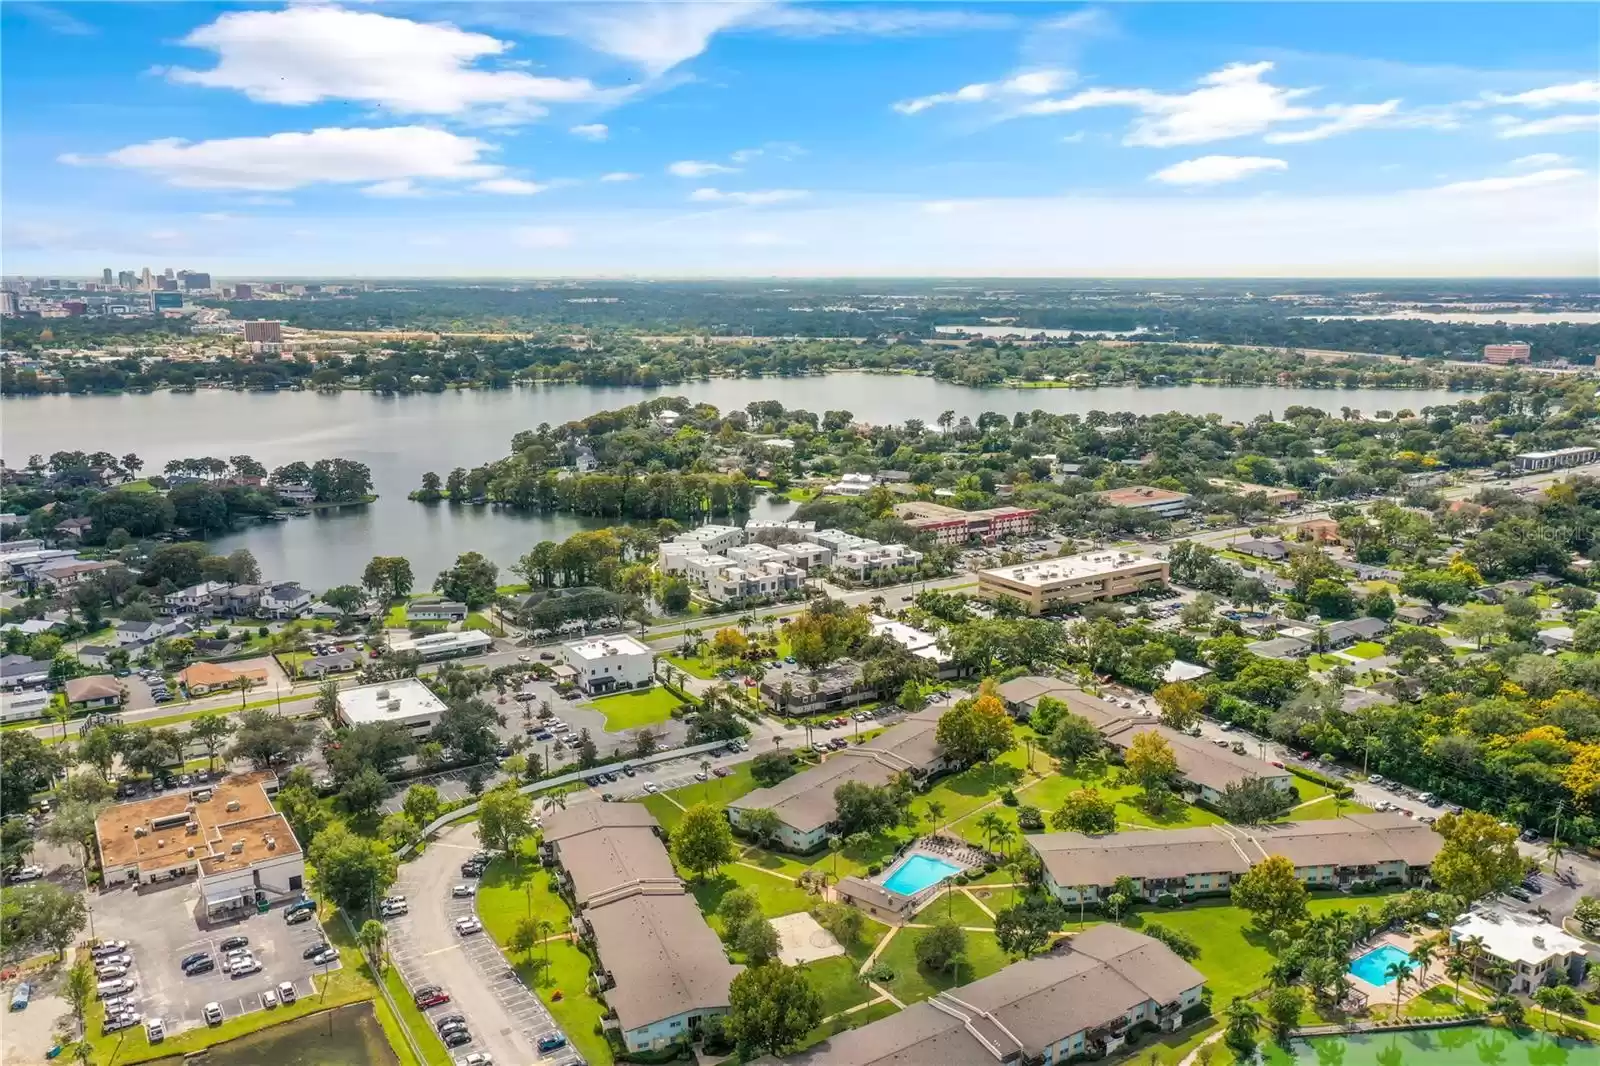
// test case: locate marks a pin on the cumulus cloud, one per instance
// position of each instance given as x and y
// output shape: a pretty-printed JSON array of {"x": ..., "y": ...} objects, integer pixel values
[
  {"x": 304, "y": 54},
  {"x": 395, "y": 189},
  {"x": 1236, "y": 101},
  {"x": 1576, "y": 92},
  {"x": 285, "y": 161},
  {"x": 1539, "y": 160},
  {"x": 698, "y": 168},
  {"x": 1552, "y": 176},
  {"x": 619, "y": 175},
  {"x": 591, "y": 131},
  {"x": 510, "y": 187},
  {"x": 1216, "y": 169},
  {"x": 750, "y": 198},
  {"x": 1029, "y": 83},
  {"x": 1508, "y": 127}
]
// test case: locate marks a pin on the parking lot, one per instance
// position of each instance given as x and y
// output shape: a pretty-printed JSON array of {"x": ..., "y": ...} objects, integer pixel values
[
  {"x": 163, "y": 925},
  {"x": 504, "y": 1017}
]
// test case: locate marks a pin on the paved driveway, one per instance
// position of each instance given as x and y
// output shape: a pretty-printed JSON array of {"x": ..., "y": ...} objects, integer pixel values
[{"x": 503, "y": 1015}]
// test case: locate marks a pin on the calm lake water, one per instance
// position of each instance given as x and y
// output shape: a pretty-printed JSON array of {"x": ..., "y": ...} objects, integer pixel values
[
  {"x": 1476, "y": 318},
  {"x": 353, "y": 1039},
  {"x": 1478, "y": 1045},
  {"x": 400, "y": 437}
]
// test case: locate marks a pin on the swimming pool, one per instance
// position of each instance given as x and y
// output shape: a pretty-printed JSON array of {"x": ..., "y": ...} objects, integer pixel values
[
  {"x": 1371, "y": 966},
  {"x": 917, "y": 873}
]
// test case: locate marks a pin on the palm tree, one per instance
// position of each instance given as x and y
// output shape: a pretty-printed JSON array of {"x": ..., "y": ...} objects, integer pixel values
[
  {"x": 705, "y": 768},
  {"x": 1554, "y": 853},
  {"x": 1457, "y": 967},
  {"x": 1399, "y": 972},
  {"x": 988, "y": 823},
  {"x": 545, "y": 928},
  {"x": 935, "y": 812},
  {"x": 371, "y": 937},
  {"x": 1497, "y": 971},
  {"x": 1004, "y": 834},
  {"x": 1423, "y": 955},
  {"x": 1244, "y": 1021}
]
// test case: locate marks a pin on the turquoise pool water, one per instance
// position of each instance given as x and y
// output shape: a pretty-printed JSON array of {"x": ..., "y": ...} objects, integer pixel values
[
  {"x": 1371, "y": 966},
  {"x": 917, "y": 873}
]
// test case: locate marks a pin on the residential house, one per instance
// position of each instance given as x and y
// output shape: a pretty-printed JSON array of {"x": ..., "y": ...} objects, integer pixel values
[
  {"x": 297, "y": 494},
  {"x": 285, "y": 601},
  {"x": 68, "y": 573},
  {"x": 19, "y": 670},
  {"x": 201, "y": 678},
  {"x": 244, "y": 600},
  {"x": 1319, "y": 531},
  {"x": 436, "y": 611},
  {"x": 97, "y": 656},
  {"x": 1280, "y": 648},
  {"x": 1205, "y": 768},
  {"x": 137, "y": 634},
  {"x": 1556, "y": 638},
  {"x": 1418, "y": 615},
  {"x": 1269, "y": 548},
  {"x": 32, "y": 627},
  {"x": 1353, "y": 631},
  {"x": 1082, "y": 1000},
  {"x": 804, "y": 803},
  {"x": 1537, "y": 952},
  {"x": 662, "y": 971},
  {"x": 74, "y": 528},
  {"x": 95, "y": 691},
  {"x": 206, "y": 598},
  {"x": 339, "y": 662}
]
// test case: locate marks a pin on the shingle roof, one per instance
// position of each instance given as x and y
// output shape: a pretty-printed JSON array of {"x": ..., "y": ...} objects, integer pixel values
[
  {"x": 1073, "y": 859},
  {"x": 1355, "y": 840},
  {"x": 664, "y": 958},
  {"x": 1199, "y": 761}
]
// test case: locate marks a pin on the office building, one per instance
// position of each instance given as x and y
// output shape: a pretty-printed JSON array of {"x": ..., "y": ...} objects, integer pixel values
[
  {"x": 1052, "y": 584},
  {"x": 146, "y": 282},
  {"x": 952, "y": 525},
  {"x": 126, "y": 279},
  {"x": 604, "y": 664},
  {"x": 8, "y": 302},
  {"x": 1559, "y": 458},
  {"x": 227, "y": 834},
  {"x": 437, "y": 646},
  {"x": 243, "y": 291},
  {"x": 1512, "y": 352},
  {"x": 263, "y": 332},
  {"x": 105, "y": 275},
  {"x": 1163, "y": 503},
  {"x": 407, "y": 702}
]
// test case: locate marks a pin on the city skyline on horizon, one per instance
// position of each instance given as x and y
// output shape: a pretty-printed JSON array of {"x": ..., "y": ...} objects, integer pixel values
[{"x": 664, "y": 141}]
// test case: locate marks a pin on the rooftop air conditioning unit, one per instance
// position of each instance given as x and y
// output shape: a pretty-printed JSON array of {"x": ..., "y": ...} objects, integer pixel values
[
  {"x": 233, "y": 805},
  {"x": 394, "y": 706},
  {"x": 139, "y": 831},
  {"x": 272, "y": 843},
  {"x": 189, "y": 852},
  {"x": 383, "y": 693},
  {"x": 1538, "y": 941},
  {"x": 238, "y": 846},
  {"x": 191, "y": 827}
]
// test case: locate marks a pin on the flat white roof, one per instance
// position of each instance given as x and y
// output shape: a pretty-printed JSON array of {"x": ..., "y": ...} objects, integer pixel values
[
  {"x": 405, "y": 701},
  {"x": 1069, "y": 567},
  {"x": 467, "y": 638},
  {"x": 1557, "y": 453},
  {"x": 599, "y": 647},
  {"x": 1516, "y": 937},
  {"x": 1178, "y": 670}
]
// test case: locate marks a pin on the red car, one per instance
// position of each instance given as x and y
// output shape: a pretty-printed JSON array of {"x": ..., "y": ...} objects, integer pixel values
[{"x": 431, "y": 997}]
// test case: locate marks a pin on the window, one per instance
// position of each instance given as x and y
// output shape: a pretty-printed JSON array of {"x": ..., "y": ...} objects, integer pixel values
[{"x": 295, "y": 883}]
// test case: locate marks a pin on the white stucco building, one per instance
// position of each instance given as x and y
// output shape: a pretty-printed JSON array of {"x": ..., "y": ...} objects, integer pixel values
[
  {"x": 408, "y": 702},
  {"x": 606, "y": 664}
]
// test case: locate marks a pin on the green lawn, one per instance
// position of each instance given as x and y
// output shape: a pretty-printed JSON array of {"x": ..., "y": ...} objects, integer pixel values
[
  {"x": 865, "y": 1016},
  {"x": 508, "y": 893},
  {"x": 1048, "y": 793},
  {"x": 956, "y": 906},
  {"x": 1321, "y": 662},
  {"x": 1366, "y": 649},
  {"x": 693, "y": 667},
  {"x": 479, "y": 620},
  {"x": 837, "y": 983},
  {"x": 396, "y": 617},
  {"x": 911, "y": 982},
  {"x": 632, "y": 710},
  {"x": 1324, "y": 807},
  {"x": 718, "y": 791},
  {"x": 666, "y": 812},
  {"x": 776, "y": 895}
]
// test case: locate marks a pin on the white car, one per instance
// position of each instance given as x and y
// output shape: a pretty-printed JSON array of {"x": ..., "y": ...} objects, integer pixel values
[
  {"x": 286, "y": 992},
  {"x": 155, "y": 1030},
  {"x": 649, "y": 787},
  {"x": 477, "y": 1058},
  {"x": 28, "y": 873},
  {"x": 461, "y": 890},
  {"x": 269, "y": 999},
  {"x": 468, "y": 926},
  {"x": 212, "y": 1013},
  {"x": 107, "y": 973},
  {"x": 248, "y": 966}
]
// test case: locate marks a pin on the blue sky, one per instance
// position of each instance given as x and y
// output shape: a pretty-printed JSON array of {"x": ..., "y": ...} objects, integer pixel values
[{"x": 761, "y": 138}]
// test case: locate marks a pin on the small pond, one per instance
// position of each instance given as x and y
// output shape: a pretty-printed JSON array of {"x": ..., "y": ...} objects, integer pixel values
[
  {"x": 349, "y": 1036},
  {"x": 1472, "y": 1045}
]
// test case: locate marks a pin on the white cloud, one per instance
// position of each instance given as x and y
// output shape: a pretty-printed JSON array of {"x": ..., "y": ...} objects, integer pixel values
[
  {"x": 284, "y": 161},
  {"x": 1509, "y": 127},
  {"x": 1539, "y": 160},
  {"x": 218, "y": 216},
  {"x": 304, "y": 54},
  {"x": 697, "y": 168},
  {"x": 1343, "y": 120},
  {"x": 1577, "y": 92},
  {"x": 1553, "y": 176},
  {"x": 858, "y": 19},
  {"x": 592, "y": 131},
  {"x": 510, "y": 187},
  {"x": 1235, "y": 101},
  {"x": 542, "y": 236},
  {"x": 1216, "y": 169},
  {"x": 941, "y": 207},
  {"x": 619, "y": 175},
  {"x": 395, "y": 189},
  {"x": 751, "y": 198},
  {"x": 1029, "y": 83}
]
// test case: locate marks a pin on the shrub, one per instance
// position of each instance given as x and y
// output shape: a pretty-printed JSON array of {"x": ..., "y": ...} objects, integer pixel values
[
  {"x": 960, "y": 879},
  {"x": 881, "y": 972},
  {"x": 874, "y": 869},
  {"x": 1029, "y": 818},
  {"x": 1181, "y": 943},
  {"x": 990, "y": 866},
  {"x": 1009, "y": 798},
  {"x": 1167, "y": 899}
]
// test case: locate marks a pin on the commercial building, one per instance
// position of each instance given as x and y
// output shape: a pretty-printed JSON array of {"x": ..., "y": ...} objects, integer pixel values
[
  {"x": 1206, "y": 860},
  {"x": 263, "y": 332},
  {"x": 1559, "y": 458},
  {"x": 95, "y": 691},
  {"x": 23, "y": 706},
  {"x": 227, "y": 834},
  {"x": 201, "y": 678},
  {"x": 1531, "y": 946},
  {"x": 804, "y": 803},
  {"x": 406, "y": 702},
  {"x": 662, "y": 970},
  {"x": 1052, "y": 584},
  {"x": 952, "y": 525},
  {"x": 1277, "y": 495},
  {"x": 1512, "y": 352},
  {"x": 436, "y": 646},
  {"x": 1163, "y": 503},
  {"x": 436, "y": 611},
  {"x": 603, "y": 664},
  {"x": 1081, "y": 1000}
]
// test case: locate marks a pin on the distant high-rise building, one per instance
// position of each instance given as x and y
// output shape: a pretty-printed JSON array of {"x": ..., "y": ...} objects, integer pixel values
[
  {"x": 126, "y": 279},
  {"x": 193, "y": 280},
  {"x": 8, "y": 303},
  {"x": 105, "y": 275},
  {"x": 263, "y": 332},
  {"x": 144, "y": 279},
  {"x": 167, "y": 284},
  {"x": 243, "y": 292},
  {"x": 53, "y": 283},
  {"x": 1514, "y": 352},
  {"x": 167, "y": 273}
]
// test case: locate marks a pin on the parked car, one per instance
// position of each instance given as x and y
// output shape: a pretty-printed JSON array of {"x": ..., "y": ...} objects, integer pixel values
[
  {"x": 461, "y": 890},
  {"x": 199, "y": 966},
  {"x": 212, "y": 1013},
  {"x": 27, "y": 873},
  {"x": 457, "y": 1037},
  {"x": 650, "y": 787},
  {"x": 314, "y": 949},
  {"x": 269, "y": 999},
  {"x": 431, "y": 996},
  {"x": 234, "y": 942},
  {"x": 108, "y": 947},
  {"x": 450, "y": 1019},
  {"x": 468, "y": 926},
  {"x": 551, "y": 1041},
  {"x": 155, "y": 1030},
  {"x": 115, "y": 1023},
  {"x": 286, "y": 992},
  {"x": 21, "y": 995},
  {"x": 325, "y": 956}
]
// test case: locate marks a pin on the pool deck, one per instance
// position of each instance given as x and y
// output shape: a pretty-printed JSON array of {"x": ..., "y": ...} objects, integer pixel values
[{"x": 1378, "y": 995}]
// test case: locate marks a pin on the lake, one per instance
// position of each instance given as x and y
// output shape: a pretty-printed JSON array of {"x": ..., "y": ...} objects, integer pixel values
[
  {"x": 1478, "y": 1045},
  {"x": 348, "y": 1036},
  {"x": 400, "y": 437},
  {"x": 1475, "y": 318}
]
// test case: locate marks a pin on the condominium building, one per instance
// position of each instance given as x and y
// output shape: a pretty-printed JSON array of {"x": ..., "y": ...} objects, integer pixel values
[
  {"x": 1531, "y": 947},
  {"x": 1163, "y": 503},
  {"x": 952, "y": 525},
  {"x": 863, "y": 562},
  {"x": 1513, "y": 352},
  {"x": 1561, "y": 457},
  {"x": 1052, "y": 584}
]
